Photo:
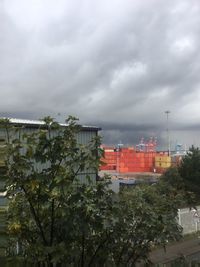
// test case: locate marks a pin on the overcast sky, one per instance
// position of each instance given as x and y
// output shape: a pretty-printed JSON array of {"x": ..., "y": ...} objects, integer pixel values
[{"x": 117, "y": 64}]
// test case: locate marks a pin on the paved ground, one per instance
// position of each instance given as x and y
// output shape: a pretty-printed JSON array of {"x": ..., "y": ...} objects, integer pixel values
[{"x": 184, "y": 248}]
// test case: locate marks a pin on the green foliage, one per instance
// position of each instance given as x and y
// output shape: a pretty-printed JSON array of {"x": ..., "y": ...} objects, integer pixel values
[
  {"x": 172, "y": 186},
  {"x": 58, "y": 220},
  {"x": 148, "y": 220},
  {"x": 184, "y": 180},
  {"x": 43, "y": 175},
  {"x": 173, "y": 178},
  {"x": 189, "y": 170}
]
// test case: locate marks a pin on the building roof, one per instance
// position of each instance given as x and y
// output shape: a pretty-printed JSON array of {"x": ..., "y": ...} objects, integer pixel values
[{"x": 36, "y": 123}]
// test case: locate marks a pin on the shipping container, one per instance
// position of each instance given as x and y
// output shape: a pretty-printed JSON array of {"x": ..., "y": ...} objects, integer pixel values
[
  {"x": 163, "y": 164},
  {"x": 127, "y": 159}
]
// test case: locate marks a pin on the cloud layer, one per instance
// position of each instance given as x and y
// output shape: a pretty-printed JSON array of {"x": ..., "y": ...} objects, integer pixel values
[{"x": 116, "y": 64}]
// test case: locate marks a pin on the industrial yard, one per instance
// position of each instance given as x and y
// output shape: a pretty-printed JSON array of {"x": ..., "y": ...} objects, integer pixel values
[{"x": 142, "y": 158}]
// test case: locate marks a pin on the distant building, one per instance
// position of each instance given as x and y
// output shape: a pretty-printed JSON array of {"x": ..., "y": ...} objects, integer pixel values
[{"x": 29, "y": 126}]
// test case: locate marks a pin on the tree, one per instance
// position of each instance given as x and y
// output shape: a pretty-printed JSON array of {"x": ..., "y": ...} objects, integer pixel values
[
  {"x": 146, "y": 219},
  {"x": 172, "y": 185},
  {"x": 189, "y": 170},
  {"x": 56, "y": 220},
  {"x": 43, "y": 172},
  {"x": 184, "y": 180}
]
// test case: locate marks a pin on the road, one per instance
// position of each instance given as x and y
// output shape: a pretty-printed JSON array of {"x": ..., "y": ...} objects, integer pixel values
[{"x": 189, "y": 249}]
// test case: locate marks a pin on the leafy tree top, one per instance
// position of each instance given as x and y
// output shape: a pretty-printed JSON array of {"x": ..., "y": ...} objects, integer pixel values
[{"x": 189, "y": 170}]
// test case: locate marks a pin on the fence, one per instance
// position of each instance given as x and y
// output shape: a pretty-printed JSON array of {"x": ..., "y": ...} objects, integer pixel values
[{"x": 189, "y": 219}]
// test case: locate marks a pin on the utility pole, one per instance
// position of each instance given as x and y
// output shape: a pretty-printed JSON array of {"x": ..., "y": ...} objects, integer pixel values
[{"x": 167, "y": 112}]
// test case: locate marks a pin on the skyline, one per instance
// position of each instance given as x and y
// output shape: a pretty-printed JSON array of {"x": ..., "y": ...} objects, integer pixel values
[{"x": 118, "y": 65}]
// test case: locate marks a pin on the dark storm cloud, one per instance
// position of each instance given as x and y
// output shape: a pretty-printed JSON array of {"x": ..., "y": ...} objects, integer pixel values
[{"x": 116, "y": 64}]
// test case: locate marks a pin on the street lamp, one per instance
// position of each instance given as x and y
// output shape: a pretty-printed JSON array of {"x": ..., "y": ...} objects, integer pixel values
[{"x": 167, "y": 112}]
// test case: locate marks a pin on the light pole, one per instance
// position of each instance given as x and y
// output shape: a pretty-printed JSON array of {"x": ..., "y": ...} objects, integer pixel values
[{"x": 167, "y": 112}]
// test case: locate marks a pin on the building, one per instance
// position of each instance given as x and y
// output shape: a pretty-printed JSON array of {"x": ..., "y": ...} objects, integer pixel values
[{"x": 20, "y": 127}]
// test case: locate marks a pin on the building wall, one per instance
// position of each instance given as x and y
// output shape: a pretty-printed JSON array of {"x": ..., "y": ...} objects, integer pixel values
[{"x": 83, "y": 137}]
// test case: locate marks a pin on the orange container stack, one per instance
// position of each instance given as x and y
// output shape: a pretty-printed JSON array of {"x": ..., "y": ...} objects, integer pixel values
[
  {"x": 130, "y": 160},
  {"x": 127, "y": 159},
  {"x": 110, "y": 159},
  {"x": 143, "y": 158}
]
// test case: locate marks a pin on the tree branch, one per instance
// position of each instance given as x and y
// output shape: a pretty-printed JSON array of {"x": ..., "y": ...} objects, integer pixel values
[
  {"x": 121, "y": 253},
  {"x": 52, "y": 222},
  {"x": 83, "y": 250},
  {"x": 37, "y": 220},
  {"x": 96, "y": 251}
]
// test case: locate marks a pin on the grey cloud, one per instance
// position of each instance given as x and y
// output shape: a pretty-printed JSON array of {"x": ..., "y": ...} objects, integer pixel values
[{"x": 117, "y": 64}]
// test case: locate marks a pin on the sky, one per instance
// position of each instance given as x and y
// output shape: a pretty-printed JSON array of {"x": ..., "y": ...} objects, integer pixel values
[{"x": 117, "y": 64}]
